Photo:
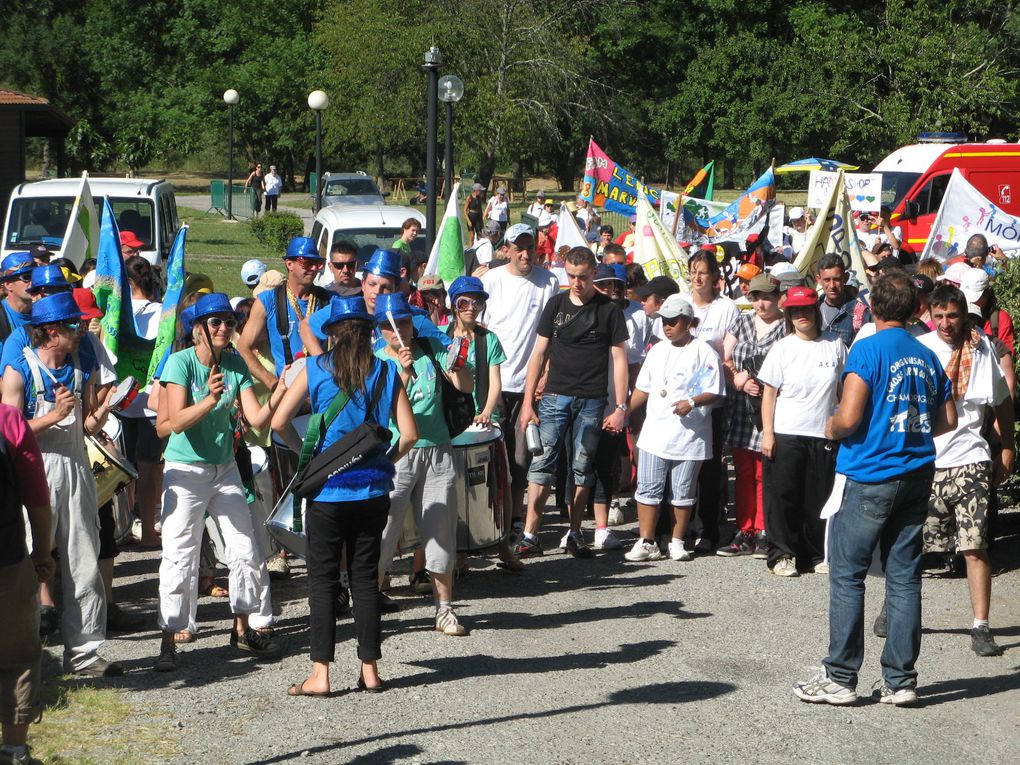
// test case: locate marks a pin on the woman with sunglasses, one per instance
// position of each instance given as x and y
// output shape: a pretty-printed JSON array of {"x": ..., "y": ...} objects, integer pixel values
[
  {"x": 801, "y": 377},
  {"x": 350, "y": 511},
  {"x": 53, "y": 388},
  {"x": 202, "y": 385},
  {"x": 751, "y": 338}
]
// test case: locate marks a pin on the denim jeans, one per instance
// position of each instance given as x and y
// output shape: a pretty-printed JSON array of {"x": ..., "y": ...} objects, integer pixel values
[
  {"x": 890, "y": 514},
  {"x": 558, "y": 415}
]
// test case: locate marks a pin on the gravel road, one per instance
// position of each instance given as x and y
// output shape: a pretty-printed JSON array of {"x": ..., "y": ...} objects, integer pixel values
[{"x": 587, "y": 661}]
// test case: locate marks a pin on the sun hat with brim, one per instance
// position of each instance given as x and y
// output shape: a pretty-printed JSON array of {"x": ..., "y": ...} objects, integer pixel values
[
  {"x": 763, "y": 283},
  {"x": 54, "y": 309},
  {"x": 187, "y": 319},
  {"x": 130, "y": 239},
  {"x": 391, "y": 302},
  {"x": 86, "y": 301},
  {"x": 15, "y": 264},
  {"x": 213, "y": 304},
  {"x": 346, "y": 308},
  {"x": 660, "y": 286},
  {"x": 801, "y": 297},
  {"x": 48, "y": 278},
  {"x": 467, "y": 285},
  {"x": 270, "y": 280},
  {"x": 674, "y": 306},
  {"x": 302, "y": 247},
  {"x": 384, "y": 263}
]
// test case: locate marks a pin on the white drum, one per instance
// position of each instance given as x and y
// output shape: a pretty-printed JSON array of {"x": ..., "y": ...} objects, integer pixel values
[
  {"x": 300, "y": 425},
  {"x": 281, "y": 526}
]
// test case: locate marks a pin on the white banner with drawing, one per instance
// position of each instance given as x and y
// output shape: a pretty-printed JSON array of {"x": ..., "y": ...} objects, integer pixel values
[
  {"x": 965, "y": 211},
  {"x": 863, "y": 189}
]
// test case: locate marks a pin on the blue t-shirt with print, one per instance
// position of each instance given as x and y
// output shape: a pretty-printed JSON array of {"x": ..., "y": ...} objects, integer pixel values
[
  {"x": 64, "y": 375},
  {"x": 373, "y": 477},
  {"x": 907, "y": 386},
  {"x": 268, "y": 300}
]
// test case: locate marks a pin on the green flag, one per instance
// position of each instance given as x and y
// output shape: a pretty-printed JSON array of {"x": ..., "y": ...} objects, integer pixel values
[{"x": 447, "y": 257}]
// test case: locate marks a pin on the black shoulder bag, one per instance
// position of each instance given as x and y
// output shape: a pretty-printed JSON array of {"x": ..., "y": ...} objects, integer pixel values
[{"x": 458, "y": 408}]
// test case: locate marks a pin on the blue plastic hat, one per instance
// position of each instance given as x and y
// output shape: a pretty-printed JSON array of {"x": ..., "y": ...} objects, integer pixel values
[
  {"x": 384, "y": 263},
  {"x": 394, "y": 302},
  {"x": 48, "y": 278},
  {"x": 344, "y": 308},
  {"x": 212, "y": 304},
  {"x": 467, "y": 285},
  {"x": 16, "y": 263},
  {"x": 302, "y": 247},
  {"x": 187, "y": 319},
  {"x": 55, "y": 308}
]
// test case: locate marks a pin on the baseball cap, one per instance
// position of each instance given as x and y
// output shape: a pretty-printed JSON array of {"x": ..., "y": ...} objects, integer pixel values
[
  {"x": 430, "y": 282},
  {"x": 748, "y": 271},
  {"x": 252, "y": 271},
  {"x": 633, "y": 218},
  {"x": 955, "y": 273},
  {"x": 674, "y": 306},
  {"x": 796, "y": 213},
  {"x": 130, "y": 239},
  {"x": 605, "y": 272},
  {"x": 797, "y": 297},
  {"x": 545, "y": 219},
  {"x": 518, "y": 230},
  {"x": 540, "y": 195},
  {"x": 198, "y": 283},
  {"x": 86, "y": 301},
  {"x": 787, "y": 274},
  {"x": 478, "y": 187},
  {"x": 886, "y": 264},
  {"x": 763, "y": 283},
  {"x": 492, "y": 227},
  {"x": 660, "y": 286},
  {"x": 974, "y": 283},
  {"x": 923, "y": 283}
]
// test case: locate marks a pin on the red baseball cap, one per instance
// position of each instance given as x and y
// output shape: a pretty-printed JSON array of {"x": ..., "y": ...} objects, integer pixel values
[
  {"x": 87, "y": 303},
  {"x": 797, "y": 297},
  {"x": 130, "y": 239}
]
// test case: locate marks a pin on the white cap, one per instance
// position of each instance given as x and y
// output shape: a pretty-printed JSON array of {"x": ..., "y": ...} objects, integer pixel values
[
  {"x": 89, "y": 280},
  {"x": 252, "y": 271},
  {"x": 955, "y": 273},
  {"x": 674, "y": 306},
  {"x": 545, "y": 219},
  {"x": 796, "y": 213},
  {"x": 236, "y": 301},
  {"x": 786, "y": 274},
  {"x": 973, "y": 284}
]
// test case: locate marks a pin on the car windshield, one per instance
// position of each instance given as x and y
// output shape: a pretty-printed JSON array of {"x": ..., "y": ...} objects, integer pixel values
[
  {"x": 368, "y": 240},
  {"x": 43, "y": 220},
  {"x": 351, "y": 187},
  {"x": 895, "y": 186}
]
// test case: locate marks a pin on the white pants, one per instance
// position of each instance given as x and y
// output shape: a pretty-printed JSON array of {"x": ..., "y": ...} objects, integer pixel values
[{"x": 189, "y": 492}]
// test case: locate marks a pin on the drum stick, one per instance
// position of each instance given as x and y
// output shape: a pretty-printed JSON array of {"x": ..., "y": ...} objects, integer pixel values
[{"x": 393, "y": 326}]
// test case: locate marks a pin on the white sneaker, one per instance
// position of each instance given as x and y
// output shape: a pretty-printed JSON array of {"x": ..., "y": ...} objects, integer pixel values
[
  {"x": 616, "y": 514},
  {"x": 446, "y": 622},
  {"x": 642, "y": 551},
  {"x": 903, "y": 697},
  {"x": 785, "y": 567},
  {"x": 677, "y": 551},
  {"x": 607, "y": 540}
]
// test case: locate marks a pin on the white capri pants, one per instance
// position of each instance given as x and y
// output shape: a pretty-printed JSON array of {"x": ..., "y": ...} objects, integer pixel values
[
  {"x": 652, "y": 474},
  {"x": 424, "y": 484},
  {"x": 190, "y": 490}
]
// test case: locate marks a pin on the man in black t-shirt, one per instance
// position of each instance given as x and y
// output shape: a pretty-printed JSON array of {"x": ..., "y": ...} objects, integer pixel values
[{"x": 578, "y": 332}]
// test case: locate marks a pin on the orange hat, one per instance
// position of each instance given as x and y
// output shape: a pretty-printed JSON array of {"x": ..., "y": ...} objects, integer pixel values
[{"x": 748, "y": 271}]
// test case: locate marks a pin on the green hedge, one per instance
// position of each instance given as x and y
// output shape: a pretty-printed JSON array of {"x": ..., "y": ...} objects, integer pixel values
[{"x": 276, "y": 229}]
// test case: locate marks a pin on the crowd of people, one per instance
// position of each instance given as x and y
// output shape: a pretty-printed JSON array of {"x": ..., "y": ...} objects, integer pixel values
[{"x": 885, "y": 396}]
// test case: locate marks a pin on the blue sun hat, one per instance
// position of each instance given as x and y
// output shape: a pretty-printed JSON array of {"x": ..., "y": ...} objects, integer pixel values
[
  {"x": 467, "y": 285},
  {"x": 384, "y": 263},
  {"x": 212, "y": 304},
  {"x": 394, "y": 302},
  {"x": 48, "y": 278},
  {"x": 15, "y": 264},
  {"x": 53, "y": 309},
  {"x": 187, "y": 319},
  {"x": 302, "y": 247},
  {"x": 345, "y": 308},
  {"x": 607, "y": 272}
]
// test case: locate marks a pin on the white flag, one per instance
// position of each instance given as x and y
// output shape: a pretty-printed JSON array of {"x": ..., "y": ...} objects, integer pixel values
[
  {"x": 81, "y": 240},
  {"x": 568, "y": 233},
  {"x": 655, "y": 249},
  {"x": 965, "y": 211}
]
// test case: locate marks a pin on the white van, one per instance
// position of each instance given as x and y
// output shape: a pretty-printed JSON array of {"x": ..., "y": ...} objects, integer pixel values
[
  {"x": 369, "y": 227},
  {"x": 38, "y": 213}
]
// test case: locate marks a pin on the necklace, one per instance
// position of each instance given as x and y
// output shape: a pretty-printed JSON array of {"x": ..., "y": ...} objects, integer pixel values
[
  {"x": 292, "y": 298},
  {"x": 670, "y": 370}
]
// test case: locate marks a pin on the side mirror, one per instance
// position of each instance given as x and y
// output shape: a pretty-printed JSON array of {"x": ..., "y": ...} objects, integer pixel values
[{"x": 911, "y": 209}]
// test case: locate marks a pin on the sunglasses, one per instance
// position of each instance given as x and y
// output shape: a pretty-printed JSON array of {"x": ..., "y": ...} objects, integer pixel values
[
  {"x": 71, "y": 326},
  {"x": 348, "y": 265},
  {"x": 310, "y": 263},
  {"x": 464, "y": 303},
  {"x": 672, "y": 322},
  {"x": 215, "y": 323},
  {"x": 25, "y": 277}
]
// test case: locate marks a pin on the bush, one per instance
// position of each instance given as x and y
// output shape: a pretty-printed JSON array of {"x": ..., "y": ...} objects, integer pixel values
[{"x": 276, "y": 229}]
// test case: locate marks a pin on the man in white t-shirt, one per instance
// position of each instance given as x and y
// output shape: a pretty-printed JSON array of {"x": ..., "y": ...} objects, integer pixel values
[
  {"x": 518, "y": 292},
  {"x": 273, "y": 186},
  {"x": 964, "y": 463}
]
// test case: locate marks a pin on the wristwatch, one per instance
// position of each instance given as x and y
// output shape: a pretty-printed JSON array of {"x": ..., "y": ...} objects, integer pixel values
[
  {"x": 622, "y": 408},
  {"x": 690, "y": 400}
]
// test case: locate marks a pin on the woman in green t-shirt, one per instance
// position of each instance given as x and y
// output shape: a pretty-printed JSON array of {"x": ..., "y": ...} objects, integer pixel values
[{"x": 202, "y": 385}]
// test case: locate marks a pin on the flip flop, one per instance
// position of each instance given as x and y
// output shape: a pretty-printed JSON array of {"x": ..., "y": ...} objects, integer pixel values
[
  {"x": 218, "y": 592},
  {"x": 298, "y": 689}
]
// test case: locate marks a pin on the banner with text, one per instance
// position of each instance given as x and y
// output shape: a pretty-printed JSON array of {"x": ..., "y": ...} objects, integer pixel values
[
  {"x": 832, "y": 232},
  {"x": 864, "y": 190},
  {"x": 610, "y": 186},
  {"x": 655, "y": 249},
  {"x": 965, "y": 211}
]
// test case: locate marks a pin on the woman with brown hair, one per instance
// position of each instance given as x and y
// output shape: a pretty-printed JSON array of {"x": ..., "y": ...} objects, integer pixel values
[{"x": 349, "y": 512}]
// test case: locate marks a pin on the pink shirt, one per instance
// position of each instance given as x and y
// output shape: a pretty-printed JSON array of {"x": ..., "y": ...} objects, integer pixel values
[{"x": 24, "y": 453}]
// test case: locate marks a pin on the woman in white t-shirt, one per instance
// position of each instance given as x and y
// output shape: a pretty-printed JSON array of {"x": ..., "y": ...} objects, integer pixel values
[
  {"x": 679, "y": 380},
  {"x": 801, "y": 377},
  {"x": 498, "y": 209}
]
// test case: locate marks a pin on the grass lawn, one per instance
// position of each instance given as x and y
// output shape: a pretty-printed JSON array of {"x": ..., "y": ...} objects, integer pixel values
[
  {"x": 84, "y": 725},
  {"x": 218, "y": 248}
]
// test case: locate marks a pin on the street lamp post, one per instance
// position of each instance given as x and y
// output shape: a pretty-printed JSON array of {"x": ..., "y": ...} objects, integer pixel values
[
  {"x": 319, "y": 102},
  {"x": 433, "y": 60},
  {"x": 230, "y": 98},
  {"x": 451, "y": 90}
]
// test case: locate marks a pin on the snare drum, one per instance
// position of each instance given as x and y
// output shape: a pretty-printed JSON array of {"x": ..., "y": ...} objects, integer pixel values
[
  {"x": 480, "y": 492},
  {"x": 110, "y": 467},
  {"x": 281, "y": 526},
  {"x": 300, "y": 425},
  {"x": 124, "y": 394}
]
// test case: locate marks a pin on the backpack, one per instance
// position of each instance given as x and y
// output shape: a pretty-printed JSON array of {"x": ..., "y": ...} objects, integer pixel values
[{"x": 283, "y": 316}]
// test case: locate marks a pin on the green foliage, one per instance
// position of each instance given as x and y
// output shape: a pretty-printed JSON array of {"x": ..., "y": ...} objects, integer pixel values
[{"x": 276, "y": 229}]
